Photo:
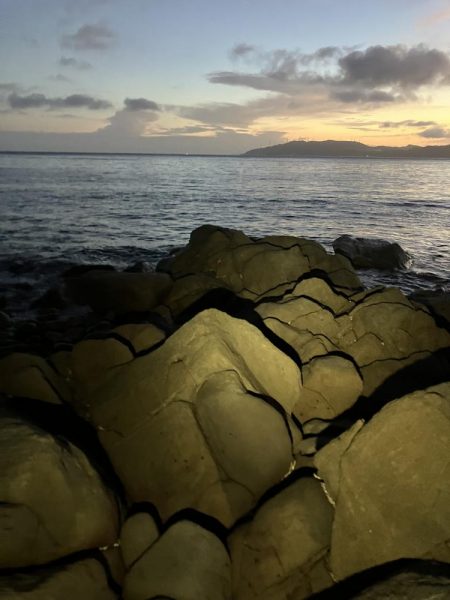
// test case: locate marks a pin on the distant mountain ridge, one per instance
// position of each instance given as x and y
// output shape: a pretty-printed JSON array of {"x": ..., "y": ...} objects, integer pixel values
[{"x": 335, "y": 149}]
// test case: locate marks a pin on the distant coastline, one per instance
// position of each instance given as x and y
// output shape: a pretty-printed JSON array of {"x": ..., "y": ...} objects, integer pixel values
[
  {"x": 300, "y": 149},
  {"x": 344, "y": 149}
]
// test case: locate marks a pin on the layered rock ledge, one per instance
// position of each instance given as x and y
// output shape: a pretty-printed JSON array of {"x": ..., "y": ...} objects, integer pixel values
[{"x": 247, "y": 422}]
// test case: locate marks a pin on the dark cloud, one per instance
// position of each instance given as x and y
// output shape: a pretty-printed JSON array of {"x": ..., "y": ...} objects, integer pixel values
[
  {"x": 325, "y": 53},
  {"x": 395, "y": 65},
  {"x": 240, "y": 50},
  {"x": 370, "y": 97},
  {"x": 405, "y": 123},
  {"x": 41, "y": 101},
  {"x": 377, "y": 75},
  {"x": 435, "y": 133},
  {"x": 90, "y": 37},
  {"x": 60, "y": 77},
  {"x": 8, "y": 87},
  {"x": 73, "y": 63},
  {"x": 194, "y": 129},
  {"x": 276, "y": 81},
  {"x": 135, "y": 104}
]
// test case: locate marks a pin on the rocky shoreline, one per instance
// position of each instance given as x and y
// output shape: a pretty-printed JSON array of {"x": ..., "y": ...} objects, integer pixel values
[{"x": 246, "y": 422}]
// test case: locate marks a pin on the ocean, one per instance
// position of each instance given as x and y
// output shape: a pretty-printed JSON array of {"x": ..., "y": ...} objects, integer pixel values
[{"x": 63, "y": 209}]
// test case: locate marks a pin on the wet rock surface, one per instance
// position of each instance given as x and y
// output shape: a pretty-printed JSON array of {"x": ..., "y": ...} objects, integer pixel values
[
  {"x": 369, "y": 253},
  {"x": 248, "y": 422}
]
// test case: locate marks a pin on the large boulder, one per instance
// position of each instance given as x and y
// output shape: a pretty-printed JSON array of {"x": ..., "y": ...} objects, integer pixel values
[
  {"x": 390, "y": 482},
  {"x": 281, "y": 552},
  {"x": 84, "y": 579},
  {"x": 187, "y": 425},
  {"x": 52, "y": 501},
  {"x": 254, "y": 269},
  {"x": 187, "y": 562},
  {"x": 372, "y": 253}
]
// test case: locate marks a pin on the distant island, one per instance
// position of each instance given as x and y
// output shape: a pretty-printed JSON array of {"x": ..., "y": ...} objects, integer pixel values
[{"x": 336, "y": 149}]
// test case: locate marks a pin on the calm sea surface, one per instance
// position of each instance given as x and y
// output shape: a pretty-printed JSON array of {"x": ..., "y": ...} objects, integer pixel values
[{"x": 61, "y": 209}]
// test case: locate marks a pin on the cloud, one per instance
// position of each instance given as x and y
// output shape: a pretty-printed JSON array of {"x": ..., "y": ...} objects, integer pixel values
[
  {"x": 90, "y": 37},
  {"x": 371, "y": 97},
  {"x": 135, "y": 104},
  {"x": 132, "y": 122},
  {"x": 436, "y": 18},
  {"x": 435, "y": 133},
  {"x": 405, "y": 123},
  {"x": 376, "y": 75},
  {"x": 240, "y": 50},
  {"x": 60, "y": 77},
  {"x": 192, "y": 130},
  {"x": 41, "y": 101},
  {"x": 73, "y": 63},
  {"x": 407, "y": 68},
  {"x": 8, "y": 87}
]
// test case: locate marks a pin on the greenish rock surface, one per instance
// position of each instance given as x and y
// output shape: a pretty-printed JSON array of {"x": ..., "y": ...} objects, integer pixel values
[
  {"x": 52, "y": 501},
  {"x": 187, "y": 563},
  {"x": 390, "y": 484},
  {"x": 281, "y": 553},
  {"x": 187, "y": 426},
  {"x": 85, "y": 579}
]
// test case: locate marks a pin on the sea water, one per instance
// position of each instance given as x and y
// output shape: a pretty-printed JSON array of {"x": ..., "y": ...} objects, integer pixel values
[{"x": 61, "y": 209}]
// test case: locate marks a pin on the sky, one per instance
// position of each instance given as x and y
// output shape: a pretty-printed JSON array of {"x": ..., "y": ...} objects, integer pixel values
[{"x": 215, "y": 77}]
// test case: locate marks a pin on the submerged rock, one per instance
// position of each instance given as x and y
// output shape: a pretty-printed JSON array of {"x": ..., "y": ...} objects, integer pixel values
[{"x": 372, "y": 253}]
